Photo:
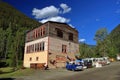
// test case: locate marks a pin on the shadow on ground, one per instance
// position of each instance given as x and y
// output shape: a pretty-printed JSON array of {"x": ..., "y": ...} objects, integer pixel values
[
  {"x": 11, "y": 79},
  {"x": 7, "y": 78}
]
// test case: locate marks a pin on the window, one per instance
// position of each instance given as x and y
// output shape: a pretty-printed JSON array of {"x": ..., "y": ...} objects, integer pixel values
[
  {"x": 30, "y": 47},
  {"x": 37, "y": 58},
  {"x": 38, "y": 32},
  {"x": 30, "y": 59},
  {"x": 33, "y": 34},
  {"x": 27, "y": 50},
  {"x": 59, "y": 33},
  {"x": 43, "y": 30},
  {"x": 71, "y": 36},
  {"x": 39, "y": 46},
  {"x": 64, "y": 48},
  {"x": 35, "y": 47},
  {"x": 42, "y": 46}
]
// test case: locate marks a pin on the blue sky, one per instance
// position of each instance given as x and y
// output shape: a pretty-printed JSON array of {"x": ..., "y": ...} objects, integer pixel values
[{"x": 87, "y": 16}]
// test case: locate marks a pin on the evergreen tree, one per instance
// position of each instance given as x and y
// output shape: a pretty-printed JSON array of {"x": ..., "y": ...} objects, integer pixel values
[
  {"x": 13, "y": 25},
  {"x": 2, "y": 43}
]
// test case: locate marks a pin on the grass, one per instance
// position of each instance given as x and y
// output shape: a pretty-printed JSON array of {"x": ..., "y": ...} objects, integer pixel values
[
  {"x": 6, "y": 70},
  {"x": 8, "y": 73}
]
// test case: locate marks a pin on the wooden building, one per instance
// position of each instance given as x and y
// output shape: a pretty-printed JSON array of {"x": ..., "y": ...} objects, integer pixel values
[{"x": 52, "y": 43}]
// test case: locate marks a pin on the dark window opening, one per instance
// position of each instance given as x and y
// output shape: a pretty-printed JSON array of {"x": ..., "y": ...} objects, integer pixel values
[
  {"x": 35, "y": 47},
  {"x": 30, "y": 59},
  {"x": 71, "y": 36},
  {"x": 59, "y": 33},
  {"x": 42, "y": 46},
  {"x": 37, "y": 58}
]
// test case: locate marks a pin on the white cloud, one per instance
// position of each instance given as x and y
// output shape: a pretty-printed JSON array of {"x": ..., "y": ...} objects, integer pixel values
[
  {"x": 45, "y": 12},
  {"x": 82, "y": 40},
  {"x": 65, "y": 8},
  {"x": 56, "y": 19},
  {"x": 52, "y": 13}
]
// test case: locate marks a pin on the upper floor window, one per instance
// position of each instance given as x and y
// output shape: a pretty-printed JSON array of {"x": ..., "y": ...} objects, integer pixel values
[
  {"x": 43, "y": 30},
  {"x": 59, "y": 33},
  {"x": 70, "y": 36},
  {"x": 39, "y": 32}
]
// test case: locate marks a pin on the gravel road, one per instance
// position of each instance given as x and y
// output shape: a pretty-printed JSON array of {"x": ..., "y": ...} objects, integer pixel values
[{"x": 109, "y": 72}]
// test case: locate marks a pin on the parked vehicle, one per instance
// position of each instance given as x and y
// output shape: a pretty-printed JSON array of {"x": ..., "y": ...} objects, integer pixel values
[
  {"x": 74, "y": 66},
  {"x": 118, "y": 57},
  {"x": 88, "y": 63},
  {"x": 106, "y": 59}
]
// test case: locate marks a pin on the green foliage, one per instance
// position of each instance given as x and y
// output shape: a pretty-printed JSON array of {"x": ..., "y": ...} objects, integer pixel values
[
  {"x": 108, "y": 45},
  {"x": 86, "y": 51},
  {"x": 13, "y": 27},
  {"x": 101, "y": 47},
  {"x": 115, "y": 37},
  {"x": 114, "y": 42},
  {"x": 2, "y": 42},
  {"x": 100, "y": 35}
]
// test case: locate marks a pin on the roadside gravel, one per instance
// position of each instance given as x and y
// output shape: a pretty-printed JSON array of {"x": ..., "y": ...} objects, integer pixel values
[{"x": 63, "y": 74}]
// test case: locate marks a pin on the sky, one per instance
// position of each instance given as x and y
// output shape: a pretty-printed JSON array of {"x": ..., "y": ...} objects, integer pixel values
[{"x": 87, "y": 16}]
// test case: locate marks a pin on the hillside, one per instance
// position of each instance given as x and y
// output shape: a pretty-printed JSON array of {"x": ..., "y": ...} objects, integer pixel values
[
  {"x": 115, "y": 37},
  {"x": 9, "y": 14},
  {"x": 13, "y": 26}
]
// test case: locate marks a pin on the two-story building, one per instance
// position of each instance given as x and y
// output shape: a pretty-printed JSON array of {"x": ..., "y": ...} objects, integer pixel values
[{"x": 53, "y": 43}]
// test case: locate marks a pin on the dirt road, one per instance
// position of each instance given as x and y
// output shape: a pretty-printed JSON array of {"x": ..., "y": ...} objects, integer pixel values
[{"x": 109, "y": 72}]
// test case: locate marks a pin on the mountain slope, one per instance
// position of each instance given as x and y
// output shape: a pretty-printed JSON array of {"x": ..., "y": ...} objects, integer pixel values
[
  {"x": 13, "y": 26},
  {"x": 10, "y": 14}
]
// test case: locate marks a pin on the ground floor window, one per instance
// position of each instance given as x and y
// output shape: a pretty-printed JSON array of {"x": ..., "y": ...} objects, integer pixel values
[
  {"x": 30, "y": 59},
  {"x": 64, "y": 48}
]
